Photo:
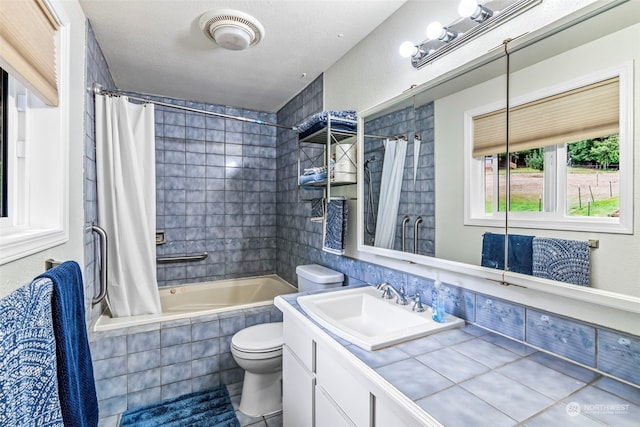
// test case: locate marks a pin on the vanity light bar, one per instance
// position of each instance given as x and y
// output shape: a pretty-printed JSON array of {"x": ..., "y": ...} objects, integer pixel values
[{"x": 430, "y": 50}]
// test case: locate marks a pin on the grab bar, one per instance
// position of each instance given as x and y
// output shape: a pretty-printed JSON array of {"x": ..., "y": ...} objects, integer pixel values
[
  {"x": 404, "y": 222},
  {"x": 415, "y": 234},
  {"x": 103, "y": 267},
  {"x": 185, "y": 258}
]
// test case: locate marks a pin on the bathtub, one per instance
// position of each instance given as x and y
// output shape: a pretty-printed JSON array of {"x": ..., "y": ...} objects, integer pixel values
[{"x": 201, "y": 299}]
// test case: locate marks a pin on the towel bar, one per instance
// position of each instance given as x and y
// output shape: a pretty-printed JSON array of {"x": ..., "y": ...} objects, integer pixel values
[{"x": 185, "y": 258}]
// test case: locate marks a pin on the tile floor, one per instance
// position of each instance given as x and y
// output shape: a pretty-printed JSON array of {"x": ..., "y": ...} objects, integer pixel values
[{"x": 245, "y": 421}]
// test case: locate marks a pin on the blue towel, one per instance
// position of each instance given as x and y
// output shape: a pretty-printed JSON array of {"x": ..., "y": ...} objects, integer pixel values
[
  {"x": 76, "y": 385},
  {"x": 563, "y": 260},
  {"x": 28, "y": 383},
  {"x": 335, "y": 232},
  {"x": 520, "y": 252},
  {"x": 312, "y": 179}
]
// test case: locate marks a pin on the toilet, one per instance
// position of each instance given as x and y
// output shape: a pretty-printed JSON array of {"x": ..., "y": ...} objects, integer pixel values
[{"x": 258, "y": 350}]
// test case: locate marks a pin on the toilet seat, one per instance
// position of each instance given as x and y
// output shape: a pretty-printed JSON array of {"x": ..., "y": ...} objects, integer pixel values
[{"x": 259, "y": 341}]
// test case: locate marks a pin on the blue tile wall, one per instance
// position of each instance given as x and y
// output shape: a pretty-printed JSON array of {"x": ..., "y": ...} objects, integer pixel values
[
  {"x": 215, "y": 192},
  {"x": 619, "y": 355},
  {"x": 501, "y": 316},
  {"x": 145, "y": 364},
  {"x": 97, "y": 71}
]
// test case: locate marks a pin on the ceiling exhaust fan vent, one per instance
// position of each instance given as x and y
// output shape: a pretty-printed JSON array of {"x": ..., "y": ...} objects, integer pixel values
[{"x": 231, "y": 29}]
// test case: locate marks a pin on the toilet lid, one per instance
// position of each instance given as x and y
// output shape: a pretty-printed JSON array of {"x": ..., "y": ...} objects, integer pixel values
[{"x": 259, "y": 338}]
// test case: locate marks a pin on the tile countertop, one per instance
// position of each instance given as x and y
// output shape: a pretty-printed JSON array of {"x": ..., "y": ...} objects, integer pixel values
[{"x": 473, "y": 377}]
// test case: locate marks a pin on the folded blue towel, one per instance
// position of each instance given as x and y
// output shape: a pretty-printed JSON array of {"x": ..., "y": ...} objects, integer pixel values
[
  {"x": 310, "y": 179},
  {"x": 563, "y": 260},
  {"x": 335, "y": 233},
  {"x": 76, "y": 385},
  {"x": 28, "y": 383},
  {"x": 520, "y": 252}
]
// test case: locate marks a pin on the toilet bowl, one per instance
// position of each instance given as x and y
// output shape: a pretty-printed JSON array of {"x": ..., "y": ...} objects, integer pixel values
[{"x": 258, "y": 350}]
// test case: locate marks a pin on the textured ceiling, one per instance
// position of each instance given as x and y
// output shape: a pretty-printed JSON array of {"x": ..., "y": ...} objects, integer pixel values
[{"x": 157, "y": 47}]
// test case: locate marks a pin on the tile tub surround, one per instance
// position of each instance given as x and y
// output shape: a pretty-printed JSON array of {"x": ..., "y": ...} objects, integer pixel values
[
  {"x": 472, "y": 376},
  {"x": 145, "y": 364}
]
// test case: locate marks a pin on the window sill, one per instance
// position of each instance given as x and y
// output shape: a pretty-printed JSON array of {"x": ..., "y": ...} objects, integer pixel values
[{"x": 18, "y": 243}]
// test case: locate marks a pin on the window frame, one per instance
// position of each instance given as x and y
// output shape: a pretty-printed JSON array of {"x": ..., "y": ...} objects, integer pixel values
[
  {"x": 38, "y": 160},
  {"x": 474, "y": 208}
]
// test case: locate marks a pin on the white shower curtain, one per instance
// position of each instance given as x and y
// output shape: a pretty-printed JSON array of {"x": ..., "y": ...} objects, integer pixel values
[
  {"x": 395, "y": 152},
  {"x": 125, "y": 160}
]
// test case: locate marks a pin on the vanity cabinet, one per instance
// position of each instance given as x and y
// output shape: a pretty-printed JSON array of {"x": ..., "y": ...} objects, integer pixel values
[{"x": 323, "y": 388}]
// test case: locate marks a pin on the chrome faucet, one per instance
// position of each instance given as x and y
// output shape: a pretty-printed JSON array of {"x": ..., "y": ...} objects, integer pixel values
[
  {"x": 417, "y": 303},
  {"x": 388, "y": 292}
]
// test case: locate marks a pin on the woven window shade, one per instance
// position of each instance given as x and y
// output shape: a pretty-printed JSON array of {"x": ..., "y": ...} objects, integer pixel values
[
  {"x": 586, "y": 112},
  {"x": 27, "y": 45}
]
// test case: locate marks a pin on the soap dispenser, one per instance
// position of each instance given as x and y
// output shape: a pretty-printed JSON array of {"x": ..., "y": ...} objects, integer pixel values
[{"x": 437, "y": 301}]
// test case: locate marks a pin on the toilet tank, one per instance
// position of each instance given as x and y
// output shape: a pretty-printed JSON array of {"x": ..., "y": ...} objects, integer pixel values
[{"x": 314, "y": 276}]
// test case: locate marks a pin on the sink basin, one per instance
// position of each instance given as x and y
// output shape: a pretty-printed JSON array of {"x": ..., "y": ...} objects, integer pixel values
[{"x": 362, "y": 317}]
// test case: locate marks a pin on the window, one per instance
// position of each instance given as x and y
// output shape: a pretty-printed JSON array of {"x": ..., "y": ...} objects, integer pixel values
[
  {"x": 570, "y": 160},
  {"x": 36, "y": 124}
]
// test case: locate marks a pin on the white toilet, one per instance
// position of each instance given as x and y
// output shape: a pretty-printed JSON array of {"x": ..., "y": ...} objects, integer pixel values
[{"x": 258, "y": 350}]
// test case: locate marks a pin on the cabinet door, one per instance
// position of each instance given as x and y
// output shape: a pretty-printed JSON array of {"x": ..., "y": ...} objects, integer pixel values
[
  {"x": 297, "y": 339},
  {"x": 297, "y": 391},
  {"x": 327, "y": 412},
  {"x": 346, "y": 389},
  {"x": 388, "y": 413}
]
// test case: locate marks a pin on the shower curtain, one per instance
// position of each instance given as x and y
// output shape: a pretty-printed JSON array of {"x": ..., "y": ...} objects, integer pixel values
[
  {"x": 395, "y": 152},
  {"x": 125, "y": 160}
]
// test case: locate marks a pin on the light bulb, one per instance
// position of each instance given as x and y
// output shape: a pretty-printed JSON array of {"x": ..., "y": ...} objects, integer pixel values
[
  {"x": 466, "y": 8},
  {"x": 434, "y": 30},
  {"x": 408, "y": 49}
]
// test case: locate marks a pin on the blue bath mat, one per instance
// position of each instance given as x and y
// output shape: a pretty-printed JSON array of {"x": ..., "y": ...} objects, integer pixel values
[{"x": 208, "y": 408}]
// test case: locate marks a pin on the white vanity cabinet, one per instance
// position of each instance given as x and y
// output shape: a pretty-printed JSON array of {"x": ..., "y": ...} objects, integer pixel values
[{"x": 324, "y": 385}]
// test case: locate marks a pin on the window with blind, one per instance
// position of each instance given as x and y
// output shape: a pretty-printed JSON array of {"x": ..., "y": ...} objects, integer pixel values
[{"x": 564, "y": 159}]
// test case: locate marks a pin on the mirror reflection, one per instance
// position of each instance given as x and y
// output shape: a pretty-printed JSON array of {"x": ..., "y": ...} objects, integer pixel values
[{"x": 567, "y": 179}]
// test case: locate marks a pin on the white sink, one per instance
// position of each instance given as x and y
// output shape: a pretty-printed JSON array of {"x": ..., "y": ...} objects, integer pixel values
[{"x": 362, "y": 317}]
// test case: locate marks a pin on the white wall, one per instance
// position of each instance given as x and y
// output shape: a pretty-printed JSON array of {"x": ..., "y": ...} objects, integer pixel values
[{"x": 21, "y": 271}]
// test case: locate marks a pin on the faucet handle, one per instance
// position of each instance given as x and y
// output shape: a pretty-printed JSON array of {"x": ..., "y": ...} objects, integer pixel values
[
  {"x": 417, "y": 303},
  {"x": 402, "y": 296},
  {"x": 386, "y": 292}
]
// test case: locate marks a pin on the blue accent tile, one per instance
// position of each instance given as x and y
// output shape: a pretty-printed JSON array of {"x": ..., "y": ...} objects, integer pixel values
[
  {"x": 413, "y": 378},
  {"x": 544, "y": 380},
  {"x": 460, "y": 302},
  {"x": 619, "y": 355},
  {"x": 453, "y": 365},
  {"x": 561, "y": 336},
  {"x": 502, "y": 392},
  {"x": 500, "y": 316},
  {"x": 458, "y": 407},
  {"x": 486, "y": 353}
]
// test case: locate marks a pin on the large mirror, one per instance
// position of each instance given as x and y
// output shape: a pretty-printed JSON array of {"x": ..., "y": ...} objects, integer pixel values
[{"x": 437, "y": 180}]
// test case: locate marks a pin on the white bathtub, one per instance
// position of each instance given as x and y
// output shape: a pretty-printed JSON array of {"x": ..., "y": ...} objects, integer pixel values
[{"x": 206, "y": 298}]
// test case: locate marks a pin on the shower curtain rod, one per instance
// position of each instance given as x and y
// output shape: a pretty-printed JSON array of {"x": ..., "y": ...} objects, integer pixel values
[{"x": 99, "y": 90}]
